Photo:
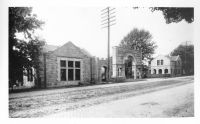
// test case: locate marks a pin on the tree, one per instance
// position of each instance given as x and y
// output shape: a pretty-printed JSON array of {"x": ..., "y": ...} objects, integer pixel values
[
  {"x": 140, "y": 40},
  {"x": 186, "y": 53},
  {"x": 176, "y": 14},
  {"x": 23, "y": 53}
]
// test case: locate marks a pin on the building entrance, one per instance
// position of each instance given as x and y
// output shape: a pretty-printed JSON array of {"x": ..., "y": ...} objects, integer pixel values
[{"x": 128, "y": 67}]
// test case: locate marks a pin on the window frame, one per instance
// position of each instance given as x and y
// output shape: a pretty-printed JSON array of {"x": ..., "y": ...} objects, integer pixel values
[
  {"x": 30, "y": 75},
  {"x": 158, "y": 62},
  {"x": 75, "y": 60},
  {"x": 77, "y": 68},
  {"x": 161, "y": 62}
]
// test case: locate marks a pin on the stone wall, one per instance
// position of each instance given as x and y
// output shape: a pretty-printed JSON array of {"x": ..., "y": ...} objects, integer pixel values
[
  {"x": 86, "y": 70},
  {"x": 51, "y": 70}
]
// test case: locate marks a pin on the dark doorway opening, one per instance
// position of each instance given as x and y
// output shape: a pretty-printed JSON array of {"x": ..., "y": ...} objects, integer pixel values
[
  {"x": 103, "y": 73},
  {"x": 160, "y": 71},
  {"x": 128, "y": 67}
]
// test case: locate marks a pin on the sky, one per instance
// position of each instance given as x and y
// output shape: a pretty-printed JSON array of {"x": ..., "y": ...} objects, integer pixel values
[{"x": 82, "y": 26}]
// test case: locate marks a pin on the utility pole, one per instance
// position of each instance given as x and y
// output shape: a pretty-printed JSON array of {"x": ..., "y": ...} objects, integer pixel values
[{"x": 108, "y": 20}]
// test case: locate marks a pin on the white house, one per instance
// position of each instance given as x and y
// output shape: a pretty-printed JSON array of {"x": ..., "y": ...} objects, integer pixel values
[{"x": 166, "y": 64}]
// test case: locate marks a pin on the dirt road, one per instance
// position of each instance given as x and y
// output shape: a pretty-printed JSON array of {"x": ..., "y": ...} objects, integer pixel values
[
  {"x": 172, "y": 102},
  {"x": 44, "y": 103}
]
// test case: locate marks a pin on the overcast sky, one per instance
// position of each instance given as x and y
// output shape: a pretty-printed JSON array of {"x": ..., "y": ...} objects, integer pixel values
[{"x": 82, "y": 26}]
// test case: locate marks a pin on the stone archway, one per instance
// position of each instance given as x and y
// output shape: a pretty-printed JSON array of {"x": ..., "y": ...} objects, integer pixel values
[
  {"x": 126, "y": 63},
  {"x": 130, "y": 67}
]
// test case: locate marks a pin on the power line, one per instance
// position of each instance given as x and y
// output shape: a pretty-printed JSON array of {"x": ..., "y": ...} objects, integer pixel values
[{"x": 108, "y": 20}]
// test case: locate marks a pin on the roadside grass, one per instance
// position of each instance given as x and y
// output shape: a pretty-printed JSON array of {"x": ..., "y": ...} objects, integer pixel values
[{"x": 19, "y": 90}]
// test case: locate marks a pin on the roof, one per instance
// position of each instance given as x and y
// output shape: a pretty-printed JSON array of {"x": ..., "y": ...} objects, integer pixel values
[
  {"x": 86, "y": 52},
  {"x": 48, "y": 48},
  {"x": 172, "y": 58}
]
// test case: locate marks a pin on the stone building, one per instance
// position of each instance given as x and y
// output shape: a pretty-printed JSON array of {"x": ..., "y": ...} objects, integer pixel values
[
  {"x": 65, "y": 65},
  {"x": 71, "y": 65},
  {"x": 166, "y": 65}
]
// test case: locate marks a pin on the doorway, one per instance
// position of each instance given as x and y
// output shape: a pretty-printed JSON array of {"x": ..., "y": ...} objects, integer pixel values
[
  {"x": 128, "y": 67},
  {"x": 103, "y": 73}
]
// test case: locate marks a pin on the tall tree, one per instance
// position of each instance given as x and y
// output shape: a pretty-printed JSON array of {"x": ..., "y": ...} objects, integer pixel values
[
  {"x": 186, "y": 52},
  {"x": 24, "y": 52},
  {"x": 176, "y": 14},
  {"x": 140, "y": 40}
]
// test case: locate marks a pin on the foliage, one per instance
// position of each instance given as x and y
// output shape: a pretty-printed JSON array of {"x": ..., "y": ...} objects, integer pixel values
[
  {"x": 176, "y": 14},
  {"x": 186, "y": 53},
  {"x": 23, "y": 53},
  {"x": 140, "y": 40}
]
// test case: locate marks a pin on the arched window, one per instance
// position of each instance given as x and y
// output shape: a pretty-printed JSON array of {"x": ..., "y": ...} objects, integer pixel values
[
  {"x": 166, "y": 71},
  {"x": 154, "y": 71},
  {"x": 160, "y": 71}
]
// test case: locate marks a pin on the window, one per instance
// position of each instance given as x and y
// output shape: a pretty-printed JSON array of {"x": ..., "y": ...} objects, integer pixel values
[
  {"x": 70, "y": 74},
  {"x": 158, "y": 62},
  {"x": 70, "y": 70},
  {"x": 78, "y": 74},
  {"x": 63, "y": 70},
  {"x": 161, "y": 62},
  {"x": 77, "y": 70},
  {"x": 63, "y": 74},
  {"x": 62, "y": 63},
  {"x": 70, "y": 64},
  {"x": 77, "y": 64},
  {"x": 30, "y": 74}
]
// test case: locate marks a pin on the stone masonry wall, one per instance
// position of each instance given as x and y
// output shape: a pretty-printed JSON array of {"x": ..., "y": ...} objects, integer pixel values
[
  {"x": 51, "y": 70},
  {"x": 120, "y": 55}
]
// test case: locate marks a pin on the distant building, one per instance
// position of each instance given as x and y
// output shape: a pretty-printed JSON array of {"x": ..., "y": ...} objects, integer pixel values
[{"x": 165, "y": 65}]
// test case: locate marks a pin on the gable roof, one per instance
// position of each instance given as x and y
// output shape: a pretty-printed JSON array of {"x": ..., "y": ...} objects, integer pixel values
[
  {"x": 67, "y": 50},
  {"x": 85, "y": 52}
]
